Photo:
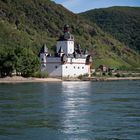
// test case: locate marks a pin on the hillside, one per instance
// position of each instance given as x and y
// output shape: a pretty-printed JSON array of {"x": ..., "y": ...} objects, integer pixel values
[
  {"x": 31, "y": 23},
  {"x": 121, "y": 22}
]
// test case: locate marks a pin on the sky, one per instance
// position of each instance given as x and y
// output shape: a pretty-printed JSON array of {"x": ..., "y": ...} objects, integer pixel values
[{"x": 78, "y": 6}]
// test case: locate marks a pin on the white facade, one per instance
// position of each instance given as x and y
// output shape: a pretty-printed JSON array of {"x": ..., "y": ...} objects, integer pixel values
[
  {"x": 75, "y": 70},
  {"x": 66, "y": 46},
  {"x": 72, "y": 68},
  {"x": 53, "y": 66},
  {"x": 66, "y": 62}
]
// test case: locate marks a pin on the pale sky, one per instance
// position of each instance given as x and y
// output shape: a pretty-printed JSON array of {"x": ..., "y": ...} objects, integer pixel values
[{"x": 77, "y": 6}]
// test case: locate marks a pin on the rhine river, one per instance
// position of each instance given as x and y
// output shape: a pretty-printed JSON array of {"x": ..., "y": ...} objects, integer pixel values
[{"x": 70, "y": 111}]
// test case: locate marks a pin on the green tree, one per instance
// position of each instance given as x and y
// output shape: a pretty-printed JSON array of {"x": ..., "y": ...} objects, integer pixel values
[
  {"x": 23, "y": 60},
  {"x": 27, "y": 62},
  {"x": 7, "y": 62}
]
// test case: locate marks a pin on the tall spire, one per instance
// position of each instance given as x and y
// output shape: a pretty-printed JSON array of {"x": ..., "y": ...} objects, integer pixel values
[{"x": 45, "y": 48}]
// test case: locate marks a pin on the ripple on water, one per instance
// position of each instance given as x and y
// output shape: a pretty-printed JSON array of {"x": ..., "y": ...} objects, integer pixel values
[{"x": 70, "y": 110}]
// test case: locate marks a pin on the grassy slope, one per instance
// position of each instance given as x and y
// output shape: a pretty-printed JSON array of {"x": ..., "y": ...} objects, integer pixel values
[
  {"x": 31, "y": 23},
  {"x": 121, "y": 22}
]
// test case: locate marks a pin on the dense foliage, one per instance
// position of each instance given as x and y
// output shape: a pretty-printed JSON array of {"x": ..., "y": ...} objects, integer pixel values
[
  {"x": 121, "y": 22},
  {"x": 29, "y": 24},
  {"x": 23, "y": 61}
]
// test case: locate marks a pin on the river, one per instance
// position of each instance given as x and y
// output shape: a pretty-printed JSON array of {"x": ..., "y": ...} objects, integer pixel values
[{"x": 70, "y": 111}]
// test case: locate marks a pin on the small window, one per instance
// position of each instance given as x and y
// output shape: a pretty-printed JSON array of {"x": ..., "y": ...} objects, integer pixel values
[
  {"x": 56, "y": 67},
  {"x": 42, "y": 59},
  {"x": 66, "y": 67},
  {"x": 78, "y": 67},
  {"x": 82, "y": 67},
  {"x": 74, "y": 67}
]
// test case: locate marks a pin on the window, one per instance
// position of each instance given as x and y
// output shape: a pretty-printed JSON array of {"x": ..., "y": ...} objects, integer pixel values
[
  {"x": 56, "y": 67},
  {"x": 74, "y": 67},
  {"x": 82, "y": 67},
  {"x": 78, "y": 67},
  {"x": 66, "y": 67}
]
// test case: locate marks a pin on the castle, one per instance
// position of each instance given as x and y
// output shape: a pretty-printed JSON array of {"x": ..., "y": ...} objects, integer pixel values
[{"x": 68, "y": 61}]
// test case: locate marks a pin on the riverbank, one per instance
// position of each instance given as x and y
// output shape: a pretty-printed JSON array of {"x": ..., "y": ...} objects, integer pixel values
[
  {"x": 113, "y": 78},
  {"x": 19, "y": 79}
]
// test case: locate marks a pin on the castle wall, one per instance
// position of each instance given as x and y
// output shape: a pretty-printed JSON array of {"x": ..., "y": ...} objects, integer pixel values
[
  {"x": 53, "y": 67},
  {"x": 72, "y": 68}
]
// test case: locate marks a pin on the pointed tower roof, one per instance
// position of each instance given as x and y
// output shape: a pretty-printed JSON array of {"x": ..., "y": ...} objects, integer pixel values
[
  {"x": 85, "y": 51},
  {"x": 60, "y": 50},
  {"x": 44, "y": 49}
]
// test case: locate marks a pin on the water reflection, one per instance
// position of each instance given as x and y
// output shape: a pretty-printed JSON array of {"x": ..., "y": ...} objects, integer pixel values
[{"x": 74, "y": 119}]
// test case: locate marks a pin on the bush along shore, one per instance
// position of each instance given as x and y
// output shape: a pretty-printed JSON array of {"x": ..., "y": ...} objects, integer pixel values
[{"x": 103, "y": 76}]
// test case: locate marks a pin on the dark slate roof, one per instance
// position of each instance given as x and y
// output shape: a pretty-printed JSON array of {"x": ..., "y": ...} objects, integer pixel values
[{"x": 67, "y": 36}]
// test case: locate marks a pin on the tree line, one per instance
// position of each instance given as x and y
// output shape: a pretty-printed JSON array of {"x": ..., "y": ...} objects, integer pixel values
[{"x": 22, "y": 61}]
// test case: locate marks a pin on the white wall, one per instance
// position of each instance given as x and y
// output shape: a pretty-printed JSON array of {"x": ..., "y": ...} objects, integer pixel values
[
  {"x": 75, "y": 67},
  {"x": 72, "y": 68},
  {"x": 70, "y": 45},
  {"x": 77, "y": 60},
  {"x": 67, "y": 46},
  {"x": 53, "y": 67}
]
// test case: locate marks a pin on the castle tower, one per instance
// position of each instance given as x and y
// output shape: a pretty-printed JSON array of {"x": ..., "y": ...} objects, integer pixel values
[
  {"x": 66, "y": 42},
  {"x": 43, "y": 55}
]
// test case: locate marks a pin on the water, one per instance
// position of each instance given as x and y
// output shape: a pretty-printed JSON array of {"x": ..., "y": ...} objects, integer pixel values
[{"x": 70, "y": 111}]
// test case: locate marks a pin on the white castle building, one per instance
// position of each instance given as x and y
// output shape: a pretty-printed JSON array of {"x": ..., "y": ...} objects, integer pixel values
[{"x": 69, "y": 61}]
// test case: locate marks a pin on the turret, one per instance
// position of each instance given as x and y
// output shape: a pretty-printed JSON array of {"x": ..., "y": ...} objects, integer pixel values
[
  {"x": 43, "y": 55},
  {"x": 66, "y": 42}
]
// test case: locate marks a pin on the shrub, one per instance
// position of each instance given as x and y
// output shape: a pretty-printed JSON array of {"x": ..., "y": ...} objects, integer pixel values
[
  {"x": 104, "y": 74},
  {"x": 82, "y": 76},
  {"x": 123, "y": 75},
  {"x": 110, "y": 73},
  {"x": 118, "y": 75},
  {"x": 40, "y": 74},
  {"x": 94, "y": 74}
]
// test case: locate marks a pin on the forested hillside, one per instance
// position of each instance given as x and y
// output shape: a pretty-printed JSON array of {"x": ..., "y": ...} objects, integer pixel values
[
  {"x": 121, "y": 22},
  {"x": 26, "y": 25},
  {"x": 35, "y": 22}
]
